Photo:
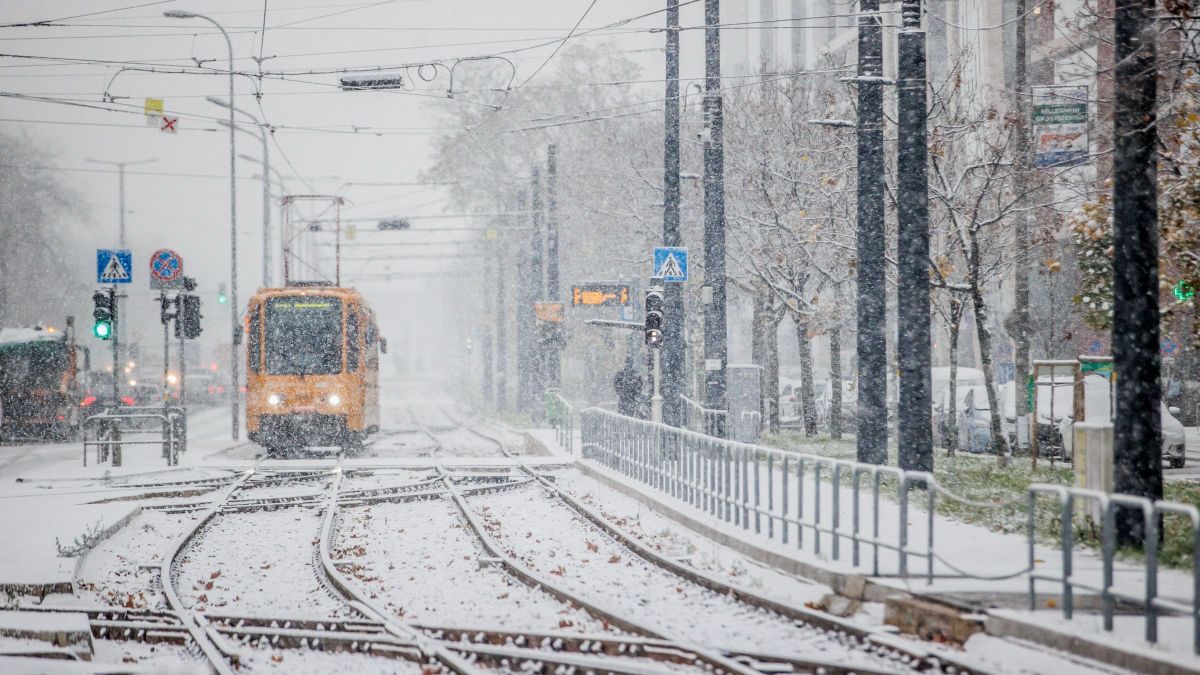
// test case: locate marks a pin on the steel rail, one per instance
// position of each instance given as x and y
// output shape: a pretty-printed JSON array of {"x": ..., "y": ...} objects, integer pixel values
[
  {"x": 362, "y": 601},
  {"x": 880, "y": 641},
  {"x": 712, "y": 660},
  {"x": 199, "y": 634}
]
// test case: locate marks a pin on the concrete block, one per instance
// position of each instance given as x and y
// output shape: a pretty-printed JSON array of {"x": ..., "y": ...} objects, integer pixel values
[
  {"x": 840, "y": 605},
  {"x": 930, "y": 620},
  {"x": 854, "y": 586}
]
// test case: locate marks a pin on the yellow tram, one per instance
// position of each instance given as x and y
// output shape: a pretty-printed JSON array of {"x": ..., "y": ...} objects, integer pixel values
[{"x": 312, "y": 368}]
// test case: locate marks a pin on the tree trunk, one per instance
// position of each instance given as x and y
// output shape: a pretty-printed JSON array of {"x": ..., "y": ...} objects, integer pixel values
[
  {"x": 835, "y": 381},
  {"x": 758, "y": 351},
  {"x": 999, "y": 443},
  {"x": 807, "y": 404},
  {"x": 772, "y": 348},
  {"x": 951, "y": 439}
]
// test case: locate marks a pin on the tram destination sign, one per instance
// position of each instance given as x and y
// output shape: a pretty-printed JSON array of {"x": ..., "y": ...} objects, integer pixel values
[{"x": 600, "y": 294}]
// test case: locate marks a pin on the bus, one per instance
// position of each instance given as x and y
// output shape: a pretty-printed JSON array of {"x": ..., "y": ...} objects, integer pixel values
[
  {"x": 312, "y": 368},
  {"x": 41, "y": 369}
]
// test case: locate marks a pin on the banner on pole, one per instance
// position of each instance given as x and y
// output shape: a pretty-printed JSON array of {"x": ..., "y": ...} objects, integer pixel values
[{"x": 1060, "y": 125}]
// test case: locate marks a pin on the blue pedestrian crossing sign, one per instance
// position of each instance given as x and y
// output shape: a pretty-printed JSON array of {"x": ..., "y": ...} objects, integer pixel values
[
  {"x": 671, "y": 263},
  {"x": 114, "y": 266}
]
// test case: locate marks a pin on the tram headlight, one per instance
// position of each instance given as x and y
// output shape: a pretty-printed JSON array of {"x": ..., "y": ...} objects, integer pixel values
[
  {"x": 274, "y": 399},
  {"x": 334, "y": 399}
]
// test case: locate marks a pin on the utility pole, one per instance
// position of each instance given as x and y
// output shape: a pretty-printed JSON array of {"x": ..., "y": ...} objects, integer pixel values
[
  {"x": 715, "y": 347},
  {"x": 1137, "y": 453},
  {"x": 525, "y": 327},
  {"x": 485, "y": 338},
  {"x": 500, "y": 330},
  {"x": 915, "y": 432},
  {"x": 553, "y": 345},
  {"x": 1021, "y": 230},
  {"x": 121, "y": 191},
  {"x": 673, "y": 347},
  {"x": 872, "y": 247},
  {"x": 120, "y": 216},
  {"x": 537, "y": 283}
]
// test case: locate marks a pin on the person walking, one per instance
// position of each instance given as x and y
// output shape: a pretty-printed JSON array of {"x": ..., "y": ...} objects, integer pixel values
[{"x": 628, "y": 385}]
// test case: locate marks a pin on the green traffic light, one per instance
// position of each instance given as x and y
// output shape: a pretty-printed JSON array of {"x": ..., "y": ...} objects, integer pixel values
[
  {"x": 102, "y": 330},
  {"x": 221, "y": 299}
]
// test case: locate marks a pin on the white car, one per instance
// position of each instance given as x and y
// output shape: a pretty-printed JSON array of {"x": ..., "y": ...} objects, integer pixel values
[
  {"x": 1096, "y": 401},
  {"x": 973, "y": 416}
]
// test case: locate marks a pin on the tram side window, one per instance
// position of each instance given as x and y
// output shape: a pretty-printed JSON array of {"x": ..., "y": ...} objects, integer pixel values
[
  {"x": 254, "y": 353},
  {"x": 304, "y": 336},
  {"x": 352, "y": 350}
]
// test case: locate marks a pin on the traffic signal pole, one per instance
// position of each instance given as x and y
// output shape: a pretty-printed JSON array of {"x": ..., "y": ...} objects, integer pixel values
[
  {"x": 673, "y": 348},
  {"x": 872, "y": 429},
  {"x": 116, "y": 354},
  {"x": 1137, "y": 453},
  {"x": 715, "y": 327},
  {"x": 915, "y": 429}
]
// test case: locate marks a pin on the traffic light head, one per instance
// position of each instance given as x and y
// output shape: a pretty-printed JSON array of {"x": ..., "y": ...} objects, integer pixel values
[
  {"x": 221, "y": 297},
  {"x": 103, "y": 315},
  {"x": 654, "y": 317},
  {"x": 189, "y": 317}
]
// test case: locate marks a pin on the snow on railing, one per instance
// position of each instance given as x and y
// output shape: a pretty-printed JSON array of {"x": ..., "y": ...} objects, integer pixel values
[
  {"x": 828, "y": 505},
  {"x": 1105, "y": 504},
  {"x": 703, "y": 420},
  {"x": 562, "y": 418}
]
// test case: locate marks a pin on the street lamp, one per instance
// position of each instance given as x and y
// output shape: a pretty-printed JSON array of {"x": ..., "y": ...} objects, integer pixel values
[
  {"x": 121, "y": 189},
  {"x": 266, "y": 195},
  {"x": 235, "y": 328}
]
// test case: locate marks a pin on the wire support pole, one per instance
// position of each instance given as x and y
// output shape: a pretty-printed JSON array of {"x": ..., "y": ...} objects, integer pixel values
[
  {"x": 715, "y": 327},
  {"x": 915, "y": 428},
  {"x": 673, "y": 347},
  {"x": 872, "y": 290},
  {"x": 1137, "y": 453}
]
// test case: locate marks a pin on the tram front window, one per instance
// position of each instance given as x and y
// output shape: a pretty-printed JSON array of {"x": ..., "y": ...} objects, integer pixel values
[{"x": 304, "y": 336}]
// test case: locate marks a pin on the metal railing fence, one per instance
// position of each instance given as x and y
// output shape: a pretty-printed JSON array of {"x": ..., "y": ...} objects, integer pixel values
[
  {"x": 702, "y": 420},
  {"x": 829, "y": 505},
  {"x": 109, "y": 431},
  {"x": 1106, "y": 504},
  {"x": 562, "y": 418}
]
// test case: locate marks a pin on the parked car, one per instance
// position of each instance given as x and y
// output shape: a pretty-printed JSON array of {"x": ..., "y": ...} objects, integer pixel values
[
  {"x": 824, "y": 403},
  {"x": 789, "y": 397},
  {"x": 973, "y": 416},
  {"x": 1097, "y": 400},
  {"x": 1055, "y": 401}
]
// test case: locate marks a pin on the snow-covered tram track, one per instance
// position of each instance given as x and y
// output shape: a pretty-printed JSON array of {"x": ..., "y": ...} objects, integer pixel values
[
  {"x": 882, "y": 650},
  {"x": 664, "y": 649}
]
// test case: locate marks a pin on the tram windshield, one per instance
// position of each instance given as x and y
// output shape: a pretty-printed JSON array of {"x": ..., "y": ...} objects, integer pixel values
[{"x": 304, "y": 336}]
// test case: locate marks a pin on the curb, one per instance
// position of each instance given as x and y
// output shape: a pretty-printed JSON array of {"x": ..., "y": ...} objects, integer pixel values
[{"x": 1002, "y": 626}]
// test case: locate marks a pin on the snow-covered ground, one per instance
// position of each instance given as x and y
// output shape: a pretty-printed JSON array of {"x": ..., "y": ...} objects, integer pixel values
[{"x": 405, "y": 568}]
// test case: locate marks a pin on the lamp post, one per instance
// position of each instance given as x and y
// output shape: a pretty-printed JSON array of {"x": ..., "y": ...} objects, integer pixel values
[
  {"x": 121, "y": 189},
  {"x": 235, "y": 329},
  {"x": 120, "y": 236},
  {"x": 266, "y": 188}
]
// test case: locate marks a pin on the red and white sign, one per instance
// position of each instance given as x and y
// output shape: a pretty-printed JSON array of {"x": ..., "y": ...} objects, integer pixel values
[
  {"x": 166, "y": 270},
  {"x": 168, "y": 124}
]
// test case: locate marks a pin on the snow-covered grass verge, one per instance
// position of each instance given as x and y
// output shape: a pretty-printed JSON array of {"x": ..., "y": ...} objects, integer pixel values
[{"x": 979, "y": 478}]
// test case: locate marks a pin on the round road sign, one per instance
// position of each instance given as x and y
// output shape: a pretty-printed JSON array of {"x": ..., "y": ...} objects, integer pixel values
[{"x": 166, "y": 265}]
